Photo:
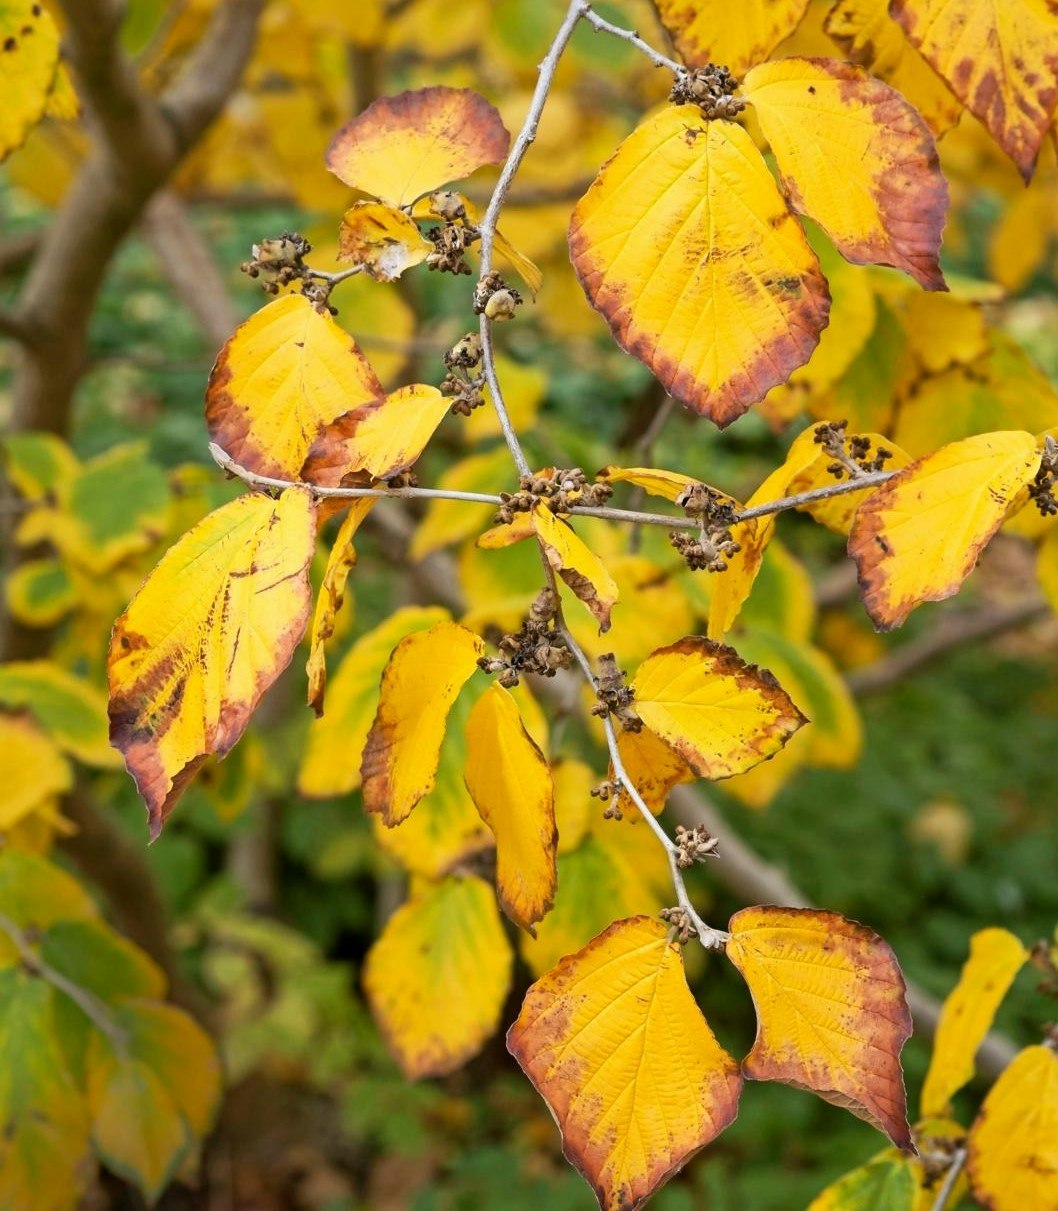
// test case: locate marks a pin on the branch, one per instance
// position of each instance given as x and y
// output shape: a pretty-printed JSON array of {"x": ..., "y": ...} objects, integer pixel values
[
  {"x": 602, "y": 26},
  {"x": 841, "y": 488},
  {"x": 13, "y": 327},
  {"x": 950, "y": 1178}
]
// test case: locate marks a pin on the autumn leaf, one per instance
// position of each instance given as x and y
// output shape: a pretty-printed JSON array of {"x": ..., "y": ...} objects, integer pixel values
[
  {"x": 32, "y": 770},
  {"x": 719, "y": 714},
  {"x": 885, "y": 1184},
  {"x": 996, "y": 957},
  {"x": 832, "y": 1011},
  {"x": 281, "y": 377},
  {"x": 29, "y": 44},
  {"x": 404, "y": 146},
  {"x": 437, "y": 977},
  {"x": 854, "y": 156},
  {"x": 211, "y": 629},
  {"x": 685, "y": 245},
  {"x": 705, "y": 31},
  {"x": 1013, "y": 1145},
  {"x": 451, "y": 521},
  {"x": 918, "y": 537},
  {"x": 653, "y": 767},
  {"x": 655, "y": 480},
  {"x": 1000, "y": 58},
  {"x": 838, "y": 513},
  {"x": 70, "y": 710},
  {"x": 576, "y": 563},
  {"x": 617, "y": 1019},
  {"x": 510, "y": 782},
  {"x": 425, "y": 673},
  {"x": 382, "y": 239}
]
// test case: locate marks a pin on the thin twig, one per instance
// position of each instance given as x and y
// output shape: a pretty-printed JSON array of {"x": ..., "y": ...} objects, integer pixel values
[
  {"x": 602, "y": 26},
  {"x": 950, "y": 1178},
  {"x": 339, "y": 276},
  {"x": 841, "y": 488},
  {"x": 488, "y": 363}
]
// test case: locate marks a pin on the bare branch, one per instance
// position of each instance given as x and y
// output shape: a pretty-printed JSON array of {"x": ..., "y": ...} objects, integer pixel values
[
  {"x": 13, "y": 327},
  {"x": 602, "y": 26},
  {"x": 841, "y": 488},
  {"x": 950, "y": 1178}
]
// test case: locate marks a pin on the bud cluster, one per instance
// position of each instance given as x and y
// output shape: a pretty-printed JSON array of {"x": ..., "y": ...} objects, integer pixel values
[
  {"x": 680, "y": 920},
  {"x": 694, "y": 845},
  {"x": 495, "y": 299},
  {"x": 535, "y": 648},
  {"x": 459, "y": 383},
  {"x": 615, "y": 695},
  {"x": 852, "y": 455},
  {"x": 278, "y": 261},
  {"x": 555, "y": 487},
  {"x": 711, "y": 88},
  {"x": 609, "y": 791},
  {"x": 1041, "y": 490},
  {"x": 714, "y": 544}
]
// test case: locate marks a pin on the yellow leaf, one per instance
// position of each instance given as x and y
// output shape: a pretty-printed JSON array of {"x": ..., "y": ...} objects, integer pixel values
[
  {"x": 72, "y": 711},
  {"x": 652, "y": 765},
  {"x": 498, "y": 538},
  {"x": 721, "y": 715},
  {"x": 686, "y": 246},
  {"x": 855, "y": 157},
  {"x": 576, "y": 563},
  {"x": 1013, "y": 1161},
  {"x": 918, "y": 537},
  {"x": 573, "y": 802},
  {"x": 212, "y": 627},
  {"x": 279, "y": 380},
  {"x": 944, "y": 331},
  {"x": 29, "y": 44},
  {"x": 510, "y": 782},
  {"x": 524, "y": 389},
  {"x": 1000, "y": 58},
  {"x": 669, "y": 484},
  {"x": 1047, "y": 568},
  {"x": 32, "y": 770},
  {"x": 384, "y": 240},
  {"x": 996, "y": 957},
  {"x": 424, "y": 674},
  {"x": 705, "y": 31},
  {"x": 403, "y": 146},
  {"x": 437, "y": 977},
  {"x": 449, "y": 521},
  {"x": 340, "y": 562},
  {"x": 615, "y": 1044},
  {"x": 331, "y": 765},
  {"x": 831, "y": 1007}
]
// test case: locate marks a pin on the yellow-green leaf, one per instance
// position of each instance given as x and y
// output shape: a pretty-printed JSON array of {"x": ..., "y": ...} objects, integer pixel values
[
  {"x": 918, "y": 537},
  {"x": 29, "y": 46},
  {"x": 510, "y": 782},
  {"x": 686, "y": 246},
  {"x": 615, "y": 1044},
  {"x": 706, "y": 31},
  {"x": 832, "y": 1011},
  {"x": 996, "y": 957},
  {"x": 382, "y": 239},
  {"x": 885, "y": 1184},
  {"x": 40, "y": 592},
  {"x": 71, "y": 711},
  {"x": 213, "y": 626},
  {"x": 576, "y": 563},
  {"x": 437, "y": 977},
  {"x": 854, "y": 156},
  {"x": 32, "y": 770}
]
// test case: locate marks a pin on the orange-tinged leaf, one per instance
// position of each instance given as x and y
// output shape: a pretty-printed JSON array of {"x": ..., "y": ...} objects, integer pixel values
[
  {"x": 403, "y": 146},
  {"x": 382, "y": 239},
  {"x": 509, "y": 780},
  {"x": 856, "y": 157},
  {"x": 615, "y": 1044},
  {"x": 1000, "y": 58},
  {"x": 655, "y": 480},
  {"x": 721, "y": 715},
  {"x": 685, "y": 245},
  {"x": 340, "y": 562},
  {"x": 996, "y": 957},
  {"x": 425, "y": 673},
  {"x": 1013, "y": 1146},
  {"x": 705, "y": 31},
  {"x": 652, "y": 765},
  {"x": 576, "y": 563},
  {"x": 918, "y": 537},
  {"x": 281, "y": 377},
  {"x": 832, "y": 1011},
  {"x": 497, "y": 538},
  {"x": 30, "y": 49},
  {"x": 212, "y": 627},
  {"x": 437, "y": 977}
]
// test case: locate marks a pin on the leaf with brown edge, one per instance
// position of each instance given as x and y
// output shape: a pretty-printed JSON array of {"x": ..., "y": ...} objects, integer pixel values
[
  {"x": 1000, "y": 58},
  {"x": 421, "y": 681},
  {"x": 919, "y": 535},
  {"x": 615, "y": 1044},
  {"x": 1013, "y": 1144},
  {"x": 382, "y": 239},
  {"x": 380, "y": 439},
  {"x": 210, "y": 630},
  {"x": 705, "y": 31},
  {"x": 281, "y": 377},
  {"x": 340, "y": 562},
  {"x": 509, "y": 779},
  {"x": 437, "y": 977},
  {"x": 576, "y": 563},
  {"x": 832, "y": 1011},
  {"x": 685, "y": 245},
  {"x": 854, "y": 156},
  {"x": 404, "y": 146},
  {"x": 653, "y": 767},
  {"x": 29, "y": 46}
]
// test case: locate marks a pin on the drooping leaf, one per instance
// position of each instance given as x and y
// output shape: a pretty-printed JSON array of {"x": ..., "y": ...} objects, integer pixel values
[
  {"x": 685, "y": 245},
  {"x": 510, "y": 782},
  {"x": 382, "y": 239},
  {"x": 29, "y": 46},
  {"x": 706, "y": 32},
  {"x": 721, "y": 715},
  {"x": 996, "y": 957},
  {"x": 211, "y": 629},
  {"x": 576, "y": 563},
  {"x": 1000, "y": 58},
  {"x": 884, "y": 1184},
  {"x": 1013, "y": 1145},
  {"x": 71, "y": 710},
  {"x": 832, "y": 1011},
  {"x": 615, "y": 1044},
  {"x": 284, "y": 374},
  {"x": 918, "y": 537},
  {"x": 656, "y": 481},
  {"x": 404, "y": 146},
  {"x": 424, "y": 674},
  {"x": 856, "y": 157},
  {"x": 437, "y": 976}
]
